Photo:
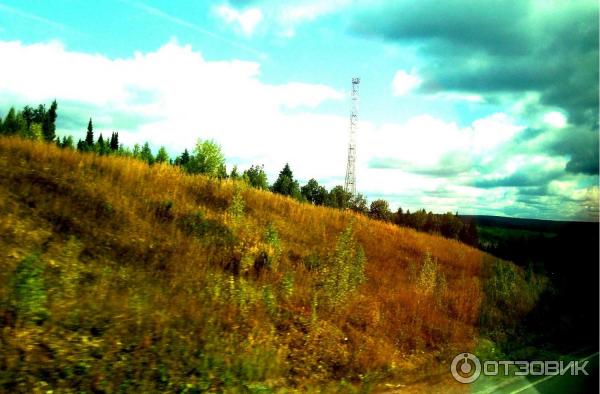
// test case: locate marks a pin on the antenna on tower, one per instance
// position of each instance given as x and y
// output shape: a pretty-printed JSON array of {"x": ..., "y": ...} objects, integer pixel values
[{"x": 350, "y": 184}]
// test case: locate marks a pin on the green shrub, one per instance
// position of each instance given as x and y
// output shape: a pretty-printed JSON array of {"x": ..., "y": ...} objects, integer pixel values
[
  {"x": 273, "y": 248},
  {"x": 344, "y": 270},
  {"x": 427, "y": 277},
  {"x": 237, "y": 206},
  {"x": 287, "y": 285},
  {"x": 430, "y": 280},
  {"x": 502, "y": 282},
  {"x": 193, "y": 224},
  {"x": 312, "y": 262},
  {"x": 28, "y": 293}
]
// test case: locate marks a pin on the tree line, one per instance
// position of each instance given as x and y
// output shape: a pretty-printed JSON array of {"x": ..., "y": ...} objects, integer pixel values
[{"x": 207, "y": 158}]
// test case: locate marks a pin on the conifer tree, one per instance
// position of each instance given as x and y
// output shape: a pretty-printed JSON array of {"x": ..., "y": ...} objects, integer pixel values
[
  {"x": 48, "y": 124},
  {"x": 89, "y": 137},
  {"x": 114, "y": 142},
  {"x": 285, "y": 183},
  {"x": 11, "y": 123},
  {"x": 101, "y": 146},
  {"x": 28, "y": 115},
  {"x": 39, "y": 114},
  {"x": 184, "y": 158}
]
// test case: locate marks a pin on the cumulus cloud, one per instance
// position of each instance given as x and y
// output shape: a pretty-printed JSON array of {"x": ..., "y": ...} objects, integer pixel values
[
  {"x": 305, "y": 11},
  {"x": 247, "y": 20},
  {"x": 427, "y": 145},
  {"x": 479, "y": 168},
  {"x": 544, "y": 54},
  {"x": 555, "y": 119},
  {"x": 173, "y": 96},
  {"x": 282, "y": 17},
  {"x": 404, "y": 82}
]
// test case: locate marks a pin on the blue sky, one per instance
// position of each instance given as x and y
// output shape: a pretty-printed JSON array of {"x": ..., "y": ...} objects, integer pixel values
[{"x": 469, "y": 106}]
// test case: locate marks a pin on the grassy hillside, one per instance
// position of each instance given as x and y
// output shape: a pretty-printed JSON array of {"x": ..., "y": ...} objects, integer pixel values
[{"x": 119, "y": 276}]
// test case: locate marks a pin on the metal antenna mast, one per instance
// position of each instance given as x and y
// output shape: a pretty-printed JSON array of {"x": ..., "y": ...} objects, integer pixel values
[{"x": 350, "y": 184}]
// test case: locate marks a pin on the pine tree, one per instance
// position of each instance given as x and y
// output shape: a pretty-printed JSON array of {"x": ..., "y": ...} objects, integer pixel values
[
  {"x": 185, "y": 158},
  {"x": 11, "y": 123},
  {"x": 48, "y": 125},
  {"x": 39, "y": 114},
  {"x": 100, "y": 145},
  {"x": 114, "y": 142},
  {"x": 89, "y": 137},
  {"x": 28, "y": 115},
  {"x": 286, "y": 185}
]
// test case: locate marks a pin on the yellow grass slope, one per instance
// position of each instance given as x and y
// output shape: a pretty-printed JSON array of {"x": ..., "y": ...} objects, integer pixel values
[{"x": 142, "y": 277}]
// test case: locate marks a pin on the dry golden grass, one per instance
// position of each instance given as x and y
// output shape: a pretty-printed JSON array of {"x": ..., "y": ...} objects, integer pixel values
[{"x": 137, "y": 299}]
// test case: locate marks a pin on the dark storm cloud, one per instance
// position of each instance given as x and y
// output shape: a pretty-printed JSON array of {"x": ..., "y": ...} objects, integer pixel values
[
  {"x": 526, "y": 177},
  {"x": 582, "y": 146},
  {"x": 503, "y": 49},
  {"x": 459, "y": 23},
  {"x": 534, "y": 190},
  {"x": 500, "y": 46}
]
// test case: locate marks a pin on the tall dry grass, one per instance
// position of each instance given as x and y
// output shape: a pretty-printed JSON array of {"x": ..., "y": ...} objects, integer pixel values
[{"x": 152, "y": 283}]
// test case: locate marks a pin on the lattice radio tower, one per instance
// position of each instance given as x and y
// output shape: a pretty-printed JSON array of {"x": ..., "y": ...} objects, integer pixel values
[{"x": 350, "y": 184}]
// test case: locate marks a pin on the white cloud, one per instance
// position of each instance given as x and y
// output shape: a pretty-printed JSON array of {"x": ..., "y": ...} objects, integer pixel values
[
  {"x": 178, "y": 96},
  {"x": 172, "y": 96},
  {"x": 247, "y": 20},
  {"x": 404, "y": 82},
  {"x": 306, "y": 11},
  {"x": 490, "y": 132},
  {"x": 283, "y": 17},
  {"x": 555, "y": 119},
  {"x": 424, "y": 140}
]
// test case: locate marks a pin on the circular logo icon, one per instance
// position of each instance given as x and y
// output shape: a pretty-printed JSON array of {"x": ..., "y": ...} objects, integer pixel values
[{"x": 465, "y": 368}]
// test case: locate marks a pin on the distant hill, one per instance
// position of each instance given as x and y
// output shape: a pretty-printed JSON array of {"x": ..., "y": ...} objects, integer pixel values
[
  {"x": 567, "y": 253},
  {"x": 539, "y": 225},
  {"x": 116, "y": 275}
]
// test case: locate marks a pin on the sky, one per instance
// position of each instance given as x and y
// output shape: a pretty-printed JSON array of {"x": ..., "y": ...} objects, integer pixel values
[{"x": 481, "y": 107}]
